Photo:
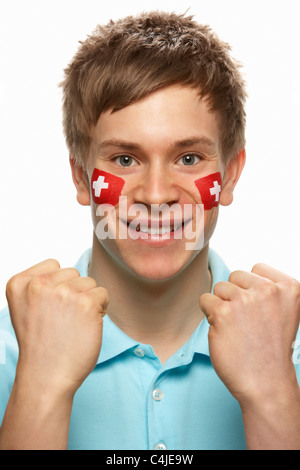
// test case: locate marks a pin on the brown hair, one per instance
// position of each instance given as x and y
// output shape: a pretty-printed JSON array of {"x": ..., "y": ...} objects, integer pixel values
[{"x": 128, "y": 59}]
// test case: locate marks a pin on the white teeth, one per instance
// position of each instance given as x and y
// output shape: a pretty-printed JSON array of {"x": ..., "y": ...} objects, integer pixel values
[
  {"x": 144, "y": 228},
  {"x": 159, "y": 230}
]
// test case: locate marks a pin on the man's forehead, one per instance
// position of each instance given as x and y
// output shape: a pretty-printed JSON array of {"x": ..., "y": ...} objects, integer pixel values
[{"x": 170, "y": 118}]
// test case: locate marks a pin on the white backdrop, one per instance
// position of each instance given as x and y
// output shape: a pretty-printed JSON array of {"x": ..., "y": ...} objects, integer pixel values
[{"x": 40, "y": 217}]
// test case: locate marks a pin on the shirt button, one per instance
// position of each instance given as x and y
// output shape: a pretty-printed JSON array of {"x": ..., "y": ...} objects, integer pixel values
[
  {"x": 139, "y": 352},
  {"x": 160, "y": 446},
  {"x": 157, "y": 394}
]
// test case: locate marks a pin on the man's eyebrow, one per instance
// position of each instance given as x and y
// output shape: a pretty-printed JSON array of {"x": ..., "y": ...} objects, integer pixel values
[
  {"x": 202, "y": 140},
  {"x": 188, "y": 142},
  {"x": 118, "y": 143}
]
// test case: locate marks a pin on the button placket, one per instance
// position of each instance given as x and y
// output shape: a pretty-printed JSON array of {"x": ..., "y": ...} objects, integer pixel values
[
  {"x": 157, "y": 410},
  {"x": 157, "y": 394}
]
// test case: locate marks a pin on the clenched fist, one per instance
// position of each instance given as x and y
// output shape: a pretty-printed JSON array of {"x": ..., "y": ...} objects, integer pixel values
[
  {"x": 57, "y": 317},
  {"x": 254, "y": 320}
]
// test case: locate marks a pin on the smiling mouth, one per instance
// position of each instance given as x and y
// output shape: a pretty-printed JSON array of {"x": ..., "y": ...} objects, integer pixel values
[{"x": 156, "y": 229}]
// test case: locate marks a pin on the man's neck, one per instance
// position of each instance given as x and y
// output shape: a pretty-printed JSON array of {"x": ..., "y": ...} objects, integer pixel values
[{"x": 161, "y": 313}]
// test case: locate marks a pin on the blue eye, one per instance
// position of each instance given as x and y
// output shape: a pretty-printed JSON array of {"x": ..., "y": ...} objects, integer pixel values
[
  {"x": 125, "y": 160},
  {"x": 189, "y": 159}
]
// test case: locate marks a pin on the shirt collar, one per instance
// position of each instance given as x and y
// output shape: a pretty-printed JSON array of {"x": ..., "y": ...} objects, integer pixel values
[{"x": 115, "y": 341}]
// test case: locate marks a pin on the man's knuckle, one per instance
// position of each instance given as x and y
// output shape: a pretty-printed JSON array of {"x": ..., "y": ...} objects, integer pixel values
[
  {"x": 268, "y": 287},
  {"x": 89, "y": 303},
  {"x": 74, "y": 272},
  {"x": 223, "y": 311},
  {"x": 37, "y": 285},
  {"x": 64, "y": 292},
  {"x": 13, "y": 285},
  {"x": 52, "y": 263},
  {"x": 256, "y": 266},
  {"x": 85, "y": 301},
  {"x": 218, "y": 288},
  {"x": 234, "y": 275},
  {"x": 103, "y": 292},
  {"x": 294, "y": 286},
  {"x": 244, "y": 298},
  {"x": 291, "y": 287},
  {"x": 92, "y": 282}
]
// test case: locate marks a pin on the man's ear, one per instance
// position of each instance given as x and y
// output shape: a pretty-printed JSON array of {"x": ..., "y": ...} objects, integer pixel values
[
  {"x": 232, "y": 174},
  {"x": 81, "y": 181}
]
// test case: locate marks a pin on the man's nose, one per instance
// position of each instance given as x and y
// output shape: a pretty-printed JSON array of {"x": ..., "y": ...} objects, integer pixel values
[{"x": 158, "y": 186}]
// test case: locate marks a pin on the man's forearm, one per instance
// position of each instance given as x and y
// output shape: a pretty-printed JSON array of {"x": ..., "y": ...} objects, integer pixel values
[
  {"x": 35, "y": 421},
  {"x": 273, "y": 424}
]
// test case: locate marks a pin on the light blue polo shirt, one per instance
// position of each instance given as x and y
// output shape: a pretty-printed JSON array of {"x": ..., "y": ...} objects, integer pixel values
[{"x": 131, "y": 401}]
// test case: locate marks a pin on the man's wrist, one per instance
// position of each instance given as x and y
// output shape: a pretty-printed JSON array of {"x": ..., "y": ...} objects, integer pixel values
[
  {"x": 46, "y": 394},
  {"x": 35, "y": 418},
  {"x": 273, "y": 422},
  {"x": 42, "y": 384}
]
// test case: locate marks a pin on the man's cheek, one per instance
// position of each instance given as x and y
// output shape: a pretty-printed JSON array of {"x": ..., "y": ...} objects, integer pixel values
[
  {"x": 106, "y": 187},
  {"x": 210, "y": 187}
]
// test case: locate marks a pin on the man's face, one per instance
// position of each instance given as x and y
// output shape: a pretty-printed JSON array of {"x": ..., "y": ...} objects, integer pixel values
[{"x": 159, "y": 147}]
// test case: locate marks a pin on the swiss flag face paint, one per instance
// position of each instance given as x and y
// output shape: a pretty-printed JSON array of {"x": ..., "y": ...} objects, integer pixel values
[
  {"x": 210, "y": 188},
  {"x": 106, "y": 188}
]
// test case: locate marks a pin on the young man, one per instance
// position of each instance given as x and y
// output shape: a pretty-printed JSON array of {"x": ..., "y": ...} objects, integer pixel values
[{"x": 189, "y": 355}]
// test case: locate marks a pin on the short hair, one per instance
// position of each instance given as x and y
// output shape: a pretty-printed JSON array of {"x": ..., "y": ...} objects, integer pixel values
[{"x": 126, "y": 60}]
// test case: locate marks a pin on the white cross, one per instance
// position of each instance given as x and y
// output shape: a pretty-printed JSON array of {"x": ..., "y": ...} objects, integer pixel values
[
  {"x": 215, "y": 191},
  {"x": 98, "y": 185}
]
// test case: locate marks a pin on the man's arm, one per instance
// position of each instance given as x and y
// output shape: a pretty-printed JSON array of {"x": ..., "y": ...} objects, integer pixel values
[
  {"x": 254, "y": 320},
  {"x": 57, "y": 317},
  {"x": 35, "y": 419},
  {"x": 273, "y": 423}
]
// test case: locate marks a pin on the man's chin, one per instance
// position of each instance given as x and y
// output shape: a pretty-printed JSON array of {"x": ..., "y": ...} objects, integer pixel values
[{"x": 159, "y": 268}]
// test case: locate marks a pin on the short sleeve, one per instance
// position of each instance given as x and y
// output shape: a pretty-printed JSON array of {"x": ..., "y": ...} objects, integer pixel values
[
  {"x": 296, "y": 355},
  {"x": 9, "y": 353}
]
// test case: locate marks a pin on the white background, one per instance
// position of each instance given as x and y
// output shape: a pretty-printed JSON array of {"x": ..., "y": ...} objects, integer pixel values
[{"x": 40, "y": 217}]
